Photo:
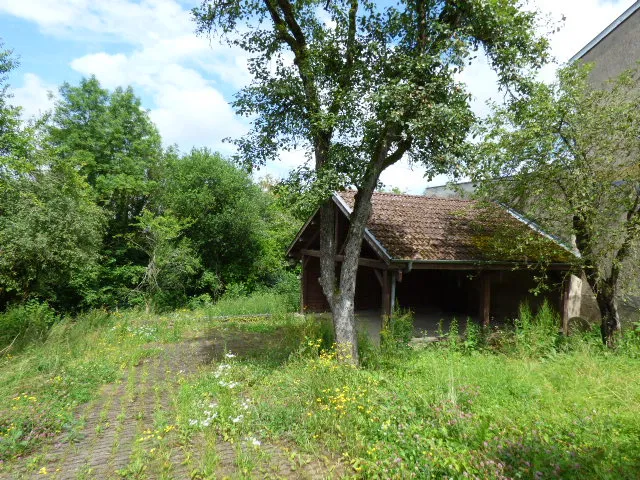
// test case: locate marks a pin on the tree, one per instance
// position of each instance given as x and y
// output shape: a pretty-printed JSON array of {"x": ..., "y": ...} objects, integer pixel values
[
  {"x": 50, "y": 229},
  {"x": 361, "y": 86},
  {"x": 14, "y": 138},
  {"x": 50, "y": 236},
  {"x": 111, "y": 141},
  {"x": 173, "y": 265},
  {"x": 231, "y": 222},
  {"x": 569, "y": 155}
]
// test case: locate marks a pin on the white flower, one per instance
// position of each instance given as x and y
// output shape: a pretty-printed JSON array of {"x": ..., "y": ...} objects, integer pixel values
[
  {"x": 237, "y": 419},
  {"x": 193, "y": 422},
  {"x": 254, "y": 441},
  {"x": 229, "y": 355}
]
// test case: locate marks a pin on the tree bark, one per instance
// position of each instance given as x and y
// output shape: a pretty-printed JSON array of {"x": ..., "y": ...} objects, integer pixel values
[
  {"x": 610, "y": 325},
  {"x": 604, "y": 287}
]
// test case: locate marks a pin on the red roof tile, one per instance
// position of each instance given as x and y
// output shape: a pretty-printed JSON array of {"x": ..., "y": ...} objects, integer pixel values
[{"x": 414, "y": 227}]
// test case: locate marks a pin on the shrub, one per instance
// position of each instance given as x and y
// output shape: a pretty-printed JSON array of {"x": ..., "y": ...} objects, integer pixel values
[
  {"x": 25, "y": 323},
  {"x": 536, "y": 335},
  {"x": 397, "y": 330}
]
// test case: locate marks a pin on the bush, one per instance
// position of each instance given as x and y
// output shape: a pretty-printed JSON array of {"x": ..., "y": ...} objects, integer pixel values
[
  {"x": 537, "y": 335},
  {"x": 25, "y": 323},
  {"x": 397, "y": 330}
]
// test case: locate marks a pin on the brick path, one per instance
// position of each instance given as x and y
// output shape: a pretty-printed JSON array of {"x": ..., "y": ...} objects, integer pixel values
[{"x": 114, "y": 442}]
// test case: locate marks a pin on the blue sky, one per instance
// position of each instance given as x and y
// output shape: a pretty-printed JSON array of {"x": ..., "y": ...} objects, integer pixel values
[{"x": 186, "y": 82}]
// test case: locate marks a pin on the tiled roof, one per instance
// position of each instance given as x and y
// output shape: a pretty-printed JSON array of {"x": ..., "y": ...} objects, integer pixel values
[{"x": 411, "y": 227}]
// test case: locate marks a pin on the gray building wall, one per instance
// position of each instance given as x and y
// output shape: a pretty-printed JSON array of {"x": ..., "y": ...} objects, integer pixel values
[{"x": 616, "y": 49}]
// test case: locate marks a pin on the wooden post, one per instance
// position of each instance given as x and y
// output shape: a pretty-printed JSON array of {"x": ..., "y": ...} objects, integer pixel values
[
  {"x": 566, "y": 295},
  {"x": 303, "y": 284},
  {"x": 392, "y": 292},
  {"x": 386, "y": 294},
  {"x": 485, "y": 299}
]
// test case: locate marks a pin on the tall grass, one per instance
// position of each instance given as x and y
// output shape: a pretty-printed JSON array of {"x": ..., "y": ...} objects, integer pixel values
[
  {"x": 509, "y": 409},
  {"x": 262, "y": 302}
]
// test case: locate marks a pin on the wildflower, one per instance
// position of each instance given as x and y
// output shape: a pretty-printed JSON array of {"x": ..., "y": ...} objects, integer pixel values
[
  {"x": 254, "y": 441},
  {"x": 229, "y": 355},
  {"x": 237, "y": 419},
  {"x": 43, "y": 471}
]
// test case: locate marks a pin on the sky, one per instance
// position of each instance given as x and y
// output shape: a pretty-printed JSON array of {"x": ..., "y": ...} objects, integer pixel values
[{"x": 186, "y": 82}]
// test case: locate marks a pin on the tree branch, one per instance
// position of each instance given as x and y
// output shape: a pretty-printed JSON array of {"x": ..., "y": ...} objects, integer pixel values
[{"x": 345, "y": 74}]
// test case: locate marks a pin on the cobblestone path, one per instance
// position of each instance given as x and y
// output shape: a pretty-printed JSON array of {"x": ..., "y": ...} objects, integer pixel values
[{"x": 114, "y": 441}]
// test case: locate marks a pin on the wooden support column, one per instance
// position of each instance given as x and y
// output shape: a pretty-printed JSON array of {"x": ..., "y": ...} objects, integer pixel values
[
  {"x": 303, "y": 284},
  {"x": 571, "y": 300},
  {"x": 566, "y": 292},
  {"x": 386, "y": 293},
  {"x": 485, "y": 298}
]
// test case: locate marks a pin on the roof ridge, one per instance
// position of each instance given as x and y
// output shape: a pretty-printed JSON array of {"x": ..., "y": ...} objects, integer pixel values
[{"x": 413, "y": 195}]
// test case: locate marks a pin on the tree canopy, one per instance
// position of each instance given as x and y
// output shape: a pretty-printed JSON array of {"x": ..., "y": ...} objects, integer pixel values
[
  {"x": 360, "y": 85},
  {"x": 567, "y": 154},
  {"x": 94, "y": 212}
]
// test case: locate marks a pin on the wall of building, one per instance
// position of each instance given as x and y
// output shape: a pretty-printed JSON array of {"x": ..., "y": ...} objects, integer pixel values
[{"x": 616, "y": 52}]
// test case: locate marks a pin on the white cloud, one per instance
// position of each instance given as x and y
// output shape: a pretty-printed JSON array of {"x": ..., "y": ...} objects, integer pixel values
[
  {"x": 33, "y": 96},
  {"x": 195, "y": 116}
]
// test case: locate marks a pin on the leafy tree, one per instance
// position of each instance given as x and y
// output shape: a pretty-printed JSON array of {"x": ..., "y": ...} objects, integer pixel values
[
  {"x": 14, "y": 138},
  {"x": 360, "y": 86},
  {"x": 173, "y": 265},
  {"x": 570, "y": 157},
  {"x": 50, "y": 229},
  {"x": 232, "y": 223},
  {"x": 113, "y": 143},
  {"x": 50, "y": 236}
]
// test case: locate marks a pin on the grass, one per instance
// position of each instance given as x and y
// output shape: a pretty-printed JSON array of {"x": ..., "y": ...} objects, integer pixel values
[
  {"x": 258, "y": 303},
  {"x": 519, "y": 404},
  {"x": 42, "y": 385},
  {"x": 449, "y": 411}
]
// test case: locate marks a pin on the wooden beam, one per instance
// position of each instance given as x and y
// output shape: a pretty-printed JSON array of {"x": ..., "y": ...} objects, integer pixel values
[
  {"x": 379, "y": 277},
  {"x": 475, "y": 266},
  {"x": 303, "y": 284},
  {"x": 386, "y": 294},
  {"x": 365, "y": 262},
  {"x": 485, "y": 299},
  {"x": 566, "y": 295}
]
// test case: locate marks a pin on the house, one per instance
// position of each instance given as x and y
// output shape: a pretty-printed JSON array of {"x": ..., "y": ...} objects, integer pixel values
[{"x": 440, "y": 258}]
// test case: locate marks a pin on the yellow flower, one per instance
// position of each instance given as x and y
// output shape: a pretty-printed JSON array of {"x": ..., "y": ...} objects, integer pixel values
[{"x": 43, "y": 471}]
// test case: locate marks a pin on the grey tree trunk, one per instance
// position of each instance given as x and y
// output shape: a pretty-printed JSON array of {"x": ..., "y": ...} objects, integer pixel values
[
  {"x": 342, "y": 299},
  {"x": 608, "y": 306}
]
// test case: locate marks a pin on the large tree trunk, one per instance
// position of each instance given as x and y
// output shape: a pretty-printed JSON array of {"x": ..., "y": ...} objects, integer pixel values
[
  {"x": 603, "y": 286},
  {"x": 342, "y": 299},
  {"x": 608, "y": 306}
]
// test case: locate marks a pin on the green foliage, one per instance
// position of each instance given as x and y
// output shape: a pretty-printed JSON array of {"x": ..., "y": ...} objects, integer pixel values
[
  {"x": 51, "y": 233},
  {"x": 25, "y": 324},
  {"x": 257, "y": 303},
  {"x": 397, "y": 330},
  {"x": 94, "y": 213},
  {"x": 111, "y": 141},
  {"x": 429, "y": 413},
  {"x": 537, "y": 335},
  {"x": 239, "y": 233},
  {"x": 432, "y": 413},
  {"x": 13, "y": 137},
  {"x": 567, "y": 155}
]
